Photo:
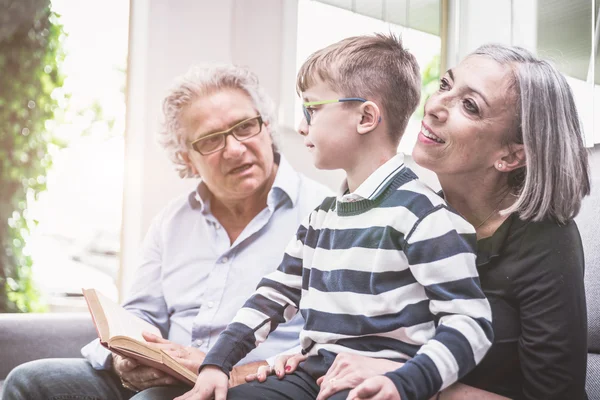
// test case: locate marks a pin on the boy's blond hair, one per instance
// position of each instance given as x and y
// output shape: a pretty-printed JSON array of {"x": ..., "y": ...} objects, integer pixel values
[{"x": 377, "y": 68}]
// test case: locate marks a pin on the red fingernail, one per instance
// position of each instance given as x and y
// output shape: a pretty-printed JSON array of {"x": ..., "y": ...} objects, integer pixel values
[{"x": 288, "y": 368}]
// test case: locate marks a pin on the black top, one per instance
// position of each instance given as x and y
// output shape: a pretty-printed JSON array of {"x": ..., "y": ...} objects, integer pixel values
[{"x": 532, "y": 274}]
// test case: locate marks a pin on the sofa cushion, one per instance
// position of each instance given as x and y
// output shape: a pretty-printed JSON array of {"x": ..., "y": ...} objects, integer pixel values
[
  {"x": 592, "y": 382},
  {"x": 27, "y": 337},
  {"x": 588, "y": 222}
]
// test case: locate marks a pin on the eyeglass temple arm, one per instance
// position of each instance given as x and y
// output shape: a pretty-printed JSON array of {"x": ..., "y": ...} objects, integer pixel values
[
  {"x": 315, "y": 103},
  {"x": 352, "y": 99}
]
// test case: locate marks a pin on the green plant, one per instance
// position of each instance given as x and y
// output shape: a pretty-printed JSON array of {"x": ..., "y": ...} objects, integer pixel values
[
  {"x": 429, "y": 82},
  {"x": 30, "y": 60}
]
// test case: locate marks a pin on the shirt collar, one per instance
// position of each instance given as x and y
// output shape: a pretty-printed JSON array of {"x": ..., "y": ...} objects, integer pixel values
[
  {"x": 287, "y": 180},
  {"x": 199, "y": 199},
  {"x": 375, "y": 183},
  {"x": 286, "y": 183}
]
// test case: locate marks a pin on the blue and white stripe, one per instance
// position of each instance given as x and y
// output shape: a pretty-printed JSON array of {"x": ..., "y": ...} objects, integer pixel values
[{"x": 393, "y": 276}]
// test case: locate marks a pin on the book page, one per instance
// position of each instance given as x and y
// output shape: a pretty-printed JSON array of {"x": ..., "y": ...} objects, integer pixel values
[{"x": 123, "y": 323}]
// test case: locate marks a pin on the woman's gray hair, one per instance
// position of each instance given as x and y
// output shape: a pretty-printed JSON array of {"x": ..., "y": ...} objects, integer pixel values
[
  {"x": 556, "y": 176},
  {"x": 201, "y": 81}
]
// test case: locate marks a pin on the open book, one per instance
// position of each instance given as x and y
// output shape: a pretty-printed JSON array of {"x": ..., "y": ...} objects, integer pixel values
[{"x": 121, "y": 332}]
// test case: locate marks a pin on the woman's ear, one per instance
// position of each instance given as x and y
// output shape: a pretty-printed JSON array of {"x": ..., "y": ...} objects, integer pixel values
[
  {"x": 370, "y": 117},
  {"x": 515, "y": 158},
  {"x": 185, "y": 157}
]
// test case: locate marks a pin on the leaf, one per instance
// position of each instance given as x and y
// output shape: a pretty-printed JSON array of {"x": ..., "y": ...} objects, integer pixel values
[{"x": 31, "y": 56}]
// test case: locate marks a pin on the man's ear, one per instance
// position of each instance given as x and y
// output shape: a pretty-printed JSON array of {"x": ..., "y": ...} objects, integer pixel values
[
  {"x": 515, "y": 158},
  {"x": 185, "y": 157},
  {"x": 370, "y": 117}
]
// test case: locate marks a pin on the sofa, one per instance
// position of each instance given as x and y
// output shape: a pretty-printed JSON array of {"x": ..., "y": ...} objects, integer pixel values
[
  {"x": 588, "y": 221},
  {"x": 25, "y": 337}
]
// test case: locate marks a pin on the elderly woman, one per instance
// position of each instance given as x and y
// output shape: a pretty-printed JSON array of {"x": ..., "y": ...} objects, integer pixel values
[
  {"x": 503, "y": 136},
  {"x": 205, "y": 252}
]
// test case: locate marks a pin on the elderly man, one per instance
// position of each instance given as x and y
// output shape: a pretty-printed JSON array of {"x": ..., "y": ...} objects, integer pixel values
[{"x": 204, "y": 253}]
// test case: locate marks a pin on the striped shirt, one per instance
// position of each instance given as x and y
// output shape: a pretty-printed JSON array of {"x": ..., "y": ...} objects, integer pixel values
[
  {"x": 374, "y": 184},
  {"x": 392, "y": 277}
]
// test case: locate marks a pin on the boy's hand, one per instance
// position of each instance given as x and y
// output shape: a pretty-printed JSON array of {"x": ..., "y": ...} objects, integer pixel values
[
  {"x": 284, "y": 365},
  {"x": 375, "y": 388},
  {"x": 211, "y": 383}
]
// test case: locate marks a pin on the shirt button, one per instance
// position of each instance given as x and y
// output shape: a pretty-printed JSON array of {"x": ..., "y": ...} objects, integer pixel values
[
  {"x": 224, "y": 260},
  {"x": 197, "y": 343},
  {"x": 217, "y": 226},
  {"x": 210, "y": 304}
]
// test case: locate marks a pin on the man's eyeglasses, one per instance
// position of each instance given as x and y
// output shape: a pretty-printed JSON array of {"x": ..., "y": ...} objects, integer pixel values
[
  {"x": 306, "y": 111},
  {"x": 214, "y": 142}
]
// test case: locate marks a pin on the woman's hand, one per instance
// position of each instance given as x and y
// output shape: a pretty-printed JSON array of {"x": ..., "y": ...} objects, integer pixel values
[
  {"x": 350, "y": 370},
  {"x": 212, "y": 383},
  {"x": 284, "y": 364},
  {"x": 375, "y": 388}
]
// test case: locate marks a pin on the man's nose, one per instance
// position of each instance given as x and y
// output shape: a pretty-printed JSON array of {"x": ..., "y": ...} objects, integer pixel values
[{"x": 233, "y": 147}]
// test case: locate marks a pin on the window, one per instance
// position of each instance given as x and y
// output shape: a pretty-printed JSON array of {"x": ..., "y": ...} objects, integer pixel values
[
  {"x": 77, "y": 241},
  {"x": 567, "y": 34}
]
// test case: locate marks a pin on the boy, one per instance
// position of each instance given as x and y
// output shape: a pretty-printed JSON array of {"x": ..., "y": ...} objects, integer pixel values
[{"x": 385, "y": 269}]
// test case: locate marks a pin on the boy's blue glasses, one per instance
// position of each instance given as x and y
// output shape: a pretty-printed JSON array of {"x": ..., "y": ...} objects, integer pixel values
[{"x": 318, "y": 103}]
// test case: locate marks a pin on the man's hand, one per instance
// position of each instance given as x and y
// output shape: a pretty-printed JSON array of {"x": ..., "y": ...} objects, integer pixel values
[
  {"x": 376, "y": 388},
  {"x": 192, "y": 358},
  {"x": 139, "y": 377},
  {"x": 189, "y": 357},
  {"x": 211, "y": 383}
]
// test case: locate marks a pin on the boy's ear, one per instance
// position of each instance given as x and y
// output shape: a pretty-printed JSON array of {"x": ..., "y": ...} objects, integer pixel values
[
  {"x": 370, "y": 117},
  {"x": 513, "y": 160}
]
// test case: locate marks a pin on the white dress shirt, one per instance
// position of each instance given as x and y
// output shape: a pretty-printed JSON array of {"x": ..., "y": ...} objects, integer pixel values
[{"x": 191, "y": 280}]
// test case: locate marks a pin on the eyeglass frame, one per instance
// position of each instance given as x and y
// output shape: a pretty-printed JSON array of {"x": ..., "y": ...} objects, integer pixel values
[
  {"x": 306, "y": 104},
  {"x": 228, "y": 132}
]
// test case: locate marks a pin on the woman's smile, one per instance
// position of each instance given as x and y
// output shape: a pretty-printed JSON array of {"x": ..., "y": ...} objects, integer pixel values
[{"x": 427, "y": 136}]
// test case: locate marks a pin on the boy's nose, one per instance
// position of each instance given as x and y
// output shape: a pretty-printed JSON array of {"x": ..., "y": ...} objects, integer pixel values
[{"x": 303, "y": 127}]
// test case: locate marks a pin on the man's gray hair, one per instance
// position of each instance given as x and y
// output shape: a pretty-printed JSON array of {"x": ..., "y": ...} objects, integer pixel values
[
  {"x": 556, "y": 175},
  {"x": 201, "y": 81}
]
